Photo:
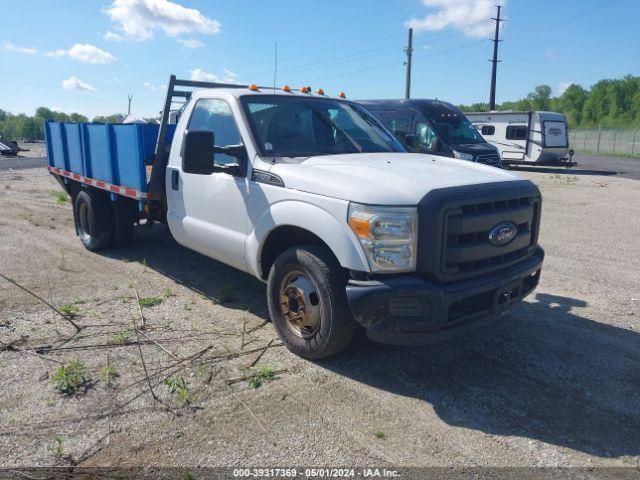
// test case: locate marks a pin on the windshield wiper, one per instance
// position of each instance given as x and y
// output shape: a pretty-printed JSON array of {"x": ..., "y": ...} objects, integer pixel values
[{"x": 327, "y": 121}]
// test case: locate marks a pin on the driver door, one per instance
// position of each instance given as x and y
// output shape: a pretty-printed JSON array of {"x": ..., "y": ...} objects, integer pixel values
[{"x": 207, "y": 212}]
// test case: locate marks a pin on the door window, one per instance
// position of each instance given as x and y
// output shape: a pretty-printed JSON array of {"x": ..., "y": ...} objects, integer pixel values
[
  {"x": 426, "y": 135},
  {"x": 216, "y": 116}
]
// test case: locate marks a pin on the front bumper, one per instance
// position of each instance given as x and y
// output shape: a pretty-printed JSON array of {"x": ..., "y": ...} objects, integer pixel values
[{"x": 407, "y": 310}]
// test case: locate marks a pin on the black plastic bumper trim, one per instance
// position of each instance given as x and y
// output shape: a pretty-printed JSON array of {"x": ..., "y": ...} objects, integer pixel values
[{"x": 444, "y": 310}]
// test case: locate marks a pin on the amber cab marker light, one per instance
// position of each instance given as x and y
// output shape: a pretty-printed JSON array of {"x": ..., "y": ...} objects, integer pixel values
[
  {"x": 320, "y": 91},
  {"x": 253, "y": 87},
  {"x": 304, "y": 90},
  {"x": 342, "y": 95},
  {"x": 286, "y": 88},
  {"x": 360, "y": 226}
]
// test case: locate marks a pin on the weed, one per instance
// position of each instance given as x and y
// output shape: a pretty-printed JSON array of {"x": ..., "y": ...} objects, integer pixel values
[
  {"x": 144, "y": 265},
  {"x": 167, "y": 292},
  {"x": 69, "y": 378},
  {"x": 61, "y": 197},
  {"x": 57, "y": 446},
  {"x": 122, "y": 337},
  {"x": 187, "y": 308},
  {"x": 108, "y": 375},
  {"x": 125, "y": 260},
  {"x": 259, "y": 375},
  {"x": 180, "y": 387},
  {"x": 148, "y": 302},
  {"x": 380, "y": 435},
  {"x": 69, "y": 310}
]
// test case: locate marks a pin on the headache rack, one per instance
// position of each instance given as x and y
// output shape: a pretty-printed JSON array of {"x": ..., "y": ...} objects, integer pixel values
[{"x": 175, "y": 96}]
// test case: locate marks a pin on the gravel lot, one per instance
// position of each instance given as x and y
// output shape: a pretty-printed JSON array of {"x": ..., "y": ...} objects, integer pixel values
[{"x": 555, "y": 382}]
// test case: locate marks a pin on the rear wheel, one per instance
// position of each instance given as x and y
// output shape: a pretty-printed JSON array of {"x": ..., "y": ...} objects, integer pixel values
[
  {"x": 92, "y": 220},
  {"x": 308, "y": 302}
]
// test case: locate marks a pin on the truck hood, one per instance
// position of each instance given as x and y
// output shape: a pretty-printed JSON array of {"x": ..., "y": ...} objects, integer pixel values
[{"x": 384, "y": 178}]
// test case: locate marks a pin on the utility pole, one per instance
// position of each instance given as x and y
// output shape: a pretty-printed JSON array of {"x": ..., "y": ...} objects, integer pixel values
[
  {"x": 130, "y": 97},
  {"x": 494, "y": 67},
  {"x": 409, "y": 51}
]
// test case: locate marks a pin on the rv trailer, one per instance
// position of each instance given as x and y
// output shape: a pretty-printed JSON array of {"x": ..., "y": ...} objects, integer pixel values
[{"x": 526, "y": 138}]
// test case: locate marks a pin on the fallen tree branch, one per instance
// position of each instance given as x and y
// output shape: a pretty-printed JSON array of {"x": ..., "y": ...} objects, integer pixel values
[
  {"x": 252, "y": 364},
  {"x": 66, "y": 317}
]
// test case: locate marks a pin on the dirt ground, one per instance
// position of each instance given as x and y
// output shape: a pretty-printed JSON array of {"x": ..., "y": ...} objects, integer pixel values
[{"x": 554, "y": 383}]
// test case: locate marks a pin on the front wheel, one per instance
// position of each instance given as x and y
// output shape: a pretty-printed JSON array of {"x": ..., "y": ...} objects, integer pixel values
[{"x": 308, "y": 302}]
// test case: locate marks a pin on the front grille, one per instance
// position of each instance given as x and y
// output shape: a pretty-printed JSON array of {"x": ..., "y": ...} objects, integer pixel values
[
  {"x": 491, "y": 159},
  {"x": 467, "y": 248},
  {"x": 454, "y": 226}
]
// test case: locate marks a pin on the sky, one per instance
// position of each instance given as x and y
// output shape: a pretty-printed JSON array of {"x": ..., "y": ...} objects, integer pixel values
[{"x": 87, "y": 56}]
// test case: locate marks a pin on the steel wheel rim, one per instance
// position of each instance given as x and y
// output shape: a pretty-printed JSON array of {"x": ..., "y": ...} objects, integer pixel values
[{"x": 300, "y": 304}]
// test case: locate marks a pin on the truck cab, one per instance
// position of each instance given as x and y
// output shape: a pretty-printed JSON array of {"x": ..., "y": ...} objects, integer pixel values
[
  {"x": 315, "y": 197},
  {"x": 434, "y": 127}
]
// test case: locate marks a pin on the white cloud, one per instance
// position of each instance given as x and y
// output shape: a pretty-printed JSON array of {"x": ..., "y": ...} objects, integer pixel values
[
  {"x": 152, "y": 87},
  {"x": 85, "y": 53},
  {"x": 200, "y": 75},
  {"x": 471, "y": 17},
  {"x": 191, "y": 42},
  {"x": 139, "y": 19},
  {"x": 10, "y": 47},
  {"x": 562, "y": 87},
  {"x": 73, "y": 83},
  {"x": 113, "y": 37}
]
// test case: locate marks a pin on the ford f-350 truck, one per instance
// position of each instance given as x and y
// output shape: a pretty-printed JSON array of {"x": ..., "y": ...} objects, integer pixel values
[{"x": 315, "y": 197}]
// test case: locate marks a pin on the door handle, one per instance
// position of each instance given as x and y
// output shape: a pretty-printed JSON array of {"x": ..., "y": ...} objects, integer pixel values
[{"x": 175, "y": 179}]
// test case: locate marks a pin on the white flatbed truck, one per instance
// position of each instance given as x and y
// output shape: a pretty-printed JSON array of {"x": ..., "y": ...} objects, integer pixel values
[{"x": 313, "y": 196}]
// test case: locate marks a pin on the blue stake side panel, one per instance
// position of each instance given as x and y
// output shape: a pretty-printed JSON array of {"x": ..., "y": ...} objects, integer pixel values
[{"x": 114, "y": 153}]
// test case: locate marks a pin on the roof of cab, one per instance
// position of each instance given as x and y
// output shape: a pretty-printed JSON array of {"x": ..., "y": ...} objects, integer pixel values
[{"x": 242, "y": 92}]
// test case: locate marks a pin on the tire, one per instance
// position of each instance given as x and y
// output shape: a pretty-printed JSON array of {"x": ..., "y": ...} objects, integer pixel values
[
  {"x": 324, "y": 326},
  {"x": 93, "y": 222},
  {"x": 123, "y": 220}
]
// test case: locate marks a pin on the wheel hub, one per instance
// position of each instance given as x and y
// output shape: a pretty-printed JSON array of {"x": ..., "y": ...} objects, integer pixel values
[{"x": 300, "y": 305}]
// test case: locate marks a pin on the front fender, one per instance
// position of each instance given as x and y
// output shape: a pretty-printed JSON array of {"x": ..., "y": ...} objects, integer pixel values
[{"x": 336, "y": 234}]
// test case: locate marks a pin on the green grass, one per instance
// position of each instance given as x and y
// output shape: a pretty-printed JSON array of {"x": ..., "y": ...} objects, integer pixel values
[
  {"x": 70, "y": 378},
  {"x": 180, "y": 387},
  {"x": 61, "y": 197},
  {"x": 167, "y": 292},
  {"x": 69, "y": 310},
  {"x": 122, "y": 337},
  {"x": 148, "y": 302},
  {"x": 260, "y": 375},
  {"x": 108, "y": 375},
  {"x": 380, "y": 435},
  {"x": 57, "y": 446}
]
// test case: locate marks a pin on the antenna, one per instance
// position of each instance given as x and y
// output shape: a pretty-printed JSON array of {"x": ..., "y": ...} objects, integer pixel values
[{"x": 130, "y": 97}]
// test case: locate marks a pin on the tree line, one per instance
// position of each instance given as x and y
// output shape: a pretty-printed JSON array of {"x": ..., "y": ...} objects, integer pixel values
[
  {"x": 29, "y": 128},
  {"x": 608, "y": 103}
]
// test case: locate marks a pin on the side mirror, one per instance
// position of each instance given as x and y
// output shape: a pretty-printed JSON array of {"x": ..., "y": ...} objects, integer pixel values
[
  {"x": 412, "y": 141},
  {"x": 197, "y": 152}
]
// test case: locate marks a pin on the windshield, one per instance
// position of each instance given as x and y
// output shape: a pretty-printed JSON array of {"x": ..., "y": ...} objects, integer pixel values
[
  {"x": 302, "y": 127},
  {"x": 451, "y": 124}
]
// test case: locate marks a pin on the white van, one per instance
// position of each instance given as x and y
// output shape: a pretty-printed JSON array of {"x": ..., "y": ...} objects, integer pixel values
[{"x": 539, "y": 138}]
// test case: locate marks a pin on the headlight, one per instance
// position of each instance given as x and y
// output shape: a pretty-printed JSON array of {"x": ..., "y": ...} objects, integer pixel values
[
  {"x": 387, "y": 235},
  {"x": 463, "y": 156}
]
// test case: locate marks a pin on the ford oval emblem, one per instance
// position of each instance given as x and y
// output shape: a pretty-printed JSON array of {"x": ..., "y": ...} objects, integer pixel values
[{"x": 503, "y": 234}]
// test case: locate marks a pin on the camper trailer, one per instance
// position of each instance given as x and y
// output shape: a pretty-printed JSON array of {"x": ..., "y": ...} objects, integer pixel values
[{"x": 522, "y": 138}]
